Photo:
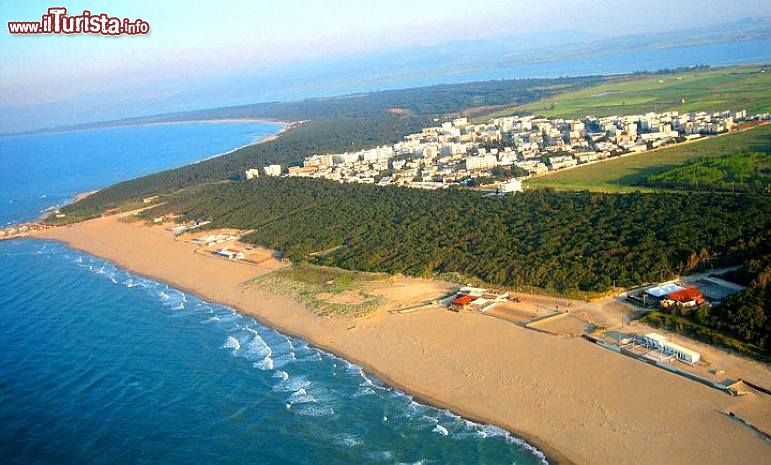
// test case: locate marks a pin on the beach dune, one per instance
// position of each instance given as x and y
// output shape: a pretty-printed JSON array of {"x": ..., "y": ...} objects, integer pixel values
[{"x": 575, "y": 401}]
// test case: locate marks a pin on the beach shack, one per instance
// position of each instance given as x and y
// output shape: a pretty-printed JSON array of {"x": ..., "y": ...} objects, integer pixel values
[
  {"x": 688, "y": 297},
  {"x": 232, "y": 254},
  {"x": 654, "y": 295},
  {"x": 661, "y": 343},
  {"x": 472, "y": 291},
  {"x": 480, "y": 304},
  {"x": 683, "y": 354},
  {"x": 462, "y": 302},
  {"x": 654, "y": 340}
]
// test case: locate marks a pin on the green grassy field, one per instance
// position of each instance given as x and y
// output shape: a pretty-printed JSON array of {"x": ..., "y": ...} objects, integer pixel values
[
  {"x": 623, "y": 174},
  {"x": 734, "y": 88},
  {"x": 739, "y": 172}
]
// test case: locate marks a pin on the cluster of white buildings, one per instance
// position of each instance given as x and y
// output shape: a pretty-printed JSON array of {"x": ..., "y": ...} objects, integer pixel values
[
  {"x": 457, "y": 151},
  {"x": 270, "y": 170}
]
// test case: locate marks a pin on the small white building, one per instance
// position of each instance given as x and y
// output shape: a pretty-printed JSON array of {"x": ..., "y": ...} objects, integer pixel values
[
  {"x": 512, "y": 185},
  {"x": 683, "y": 354},
  {"x": 272, "y": 170},
  {"x": 252, "y": 173},
  {"x": 661, "y": 343},
  {"x": 654, "y": 340},
  {"x": 472, "y": 291},
  {"x": 233, "y": 254}
]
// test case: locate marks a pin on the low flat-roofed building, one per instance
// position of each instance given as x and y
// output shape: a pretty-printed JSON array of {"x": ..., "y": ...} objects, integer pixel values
[
  {"x": 661, "y": 343},
  {"x": 682, "y": 353},
  {"x": 655, "y": 340},
  {"x": 688, "y": 297},
  {"x": 233, "y": 254},
  {"x": 272, "y": 170},
  {"x": 480, "y": 303},
  {"x": 512, "y": 185},
  {"x": 661, "y": 291},
  {"x": 461, "y": 302},
  {"x": 472, "y": 291}
]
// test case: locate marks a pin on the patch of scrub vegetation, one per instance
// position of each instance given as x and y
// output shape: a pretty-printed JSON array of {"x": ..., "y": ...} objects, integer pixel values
[
  {"x": 745, "y": 172},
  {"x": 326, "y": 291}
]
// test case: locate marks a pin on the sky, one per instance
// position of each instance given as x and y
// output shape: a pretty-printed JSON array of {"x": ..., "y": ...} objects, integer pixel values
[{"x": 50, "y": 79}]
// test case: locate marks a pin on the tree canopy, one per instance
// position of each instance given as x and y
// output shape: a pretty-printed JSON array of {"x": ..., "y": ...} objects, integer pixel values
[{"x": 553, "y": 240}]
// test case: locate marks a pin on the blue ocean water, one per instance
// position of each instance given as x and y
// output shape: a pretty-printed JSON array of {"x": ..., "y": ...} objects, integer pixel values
[
  {"x": 100, "y": 365},
  {"x": 43, "y": 170}
]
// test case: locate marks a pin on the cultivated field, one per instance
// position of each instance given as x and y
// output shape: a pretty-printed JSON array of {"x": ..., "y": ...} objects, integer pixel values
[
  {"x": 734, "y": 88},
  {"x": 623, "y": 174}
]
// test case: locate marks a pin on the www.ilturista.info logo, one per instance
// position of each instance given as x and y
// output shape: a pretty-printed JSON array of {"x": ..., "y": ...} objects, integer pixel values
[{"x": 56, "y": 21}]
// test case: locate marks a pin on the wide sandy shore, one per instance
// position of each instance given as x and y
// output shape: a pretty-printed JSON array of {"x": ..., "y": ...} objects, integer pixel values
[{"x": 575, "y": 401}]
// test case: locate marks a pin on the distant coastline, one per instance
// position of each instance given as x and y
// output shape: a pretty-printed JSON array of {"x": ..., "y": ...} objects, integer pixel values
[{"x": 143, "y": 122}]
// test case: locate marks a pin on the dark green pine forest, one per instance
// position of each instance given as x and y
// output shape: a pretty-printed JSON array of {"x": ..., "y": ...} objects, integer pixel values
[{"x": 553, "y": 240}]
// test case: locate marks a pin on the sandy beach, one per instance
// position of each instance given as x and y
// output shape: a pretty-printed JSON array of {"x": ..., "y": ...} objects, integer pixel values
[{"x": 575, "y": 401}]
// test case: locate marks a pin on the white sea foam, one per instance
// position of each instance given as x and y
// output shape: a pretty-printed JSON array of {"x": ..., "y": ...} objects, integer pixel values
[
  {"x": 264, "y": 364},
  {"x": 347, "y": 440},
  {"x": 301, "y": 396},
  {"x": 232, "y": 343},
  {"x": 310, "y": 410},
  {"x": 292, "y": 384},
  {"x": 440, "y": 429},
  {"x": 363, "y": 391},
  {"x": 279, "y": 361},
  {"x": 258, "y": 351},
  {"x": 379, "y": 455},
  {"x": 373, "y": 383},
  {"x": 282, "y": 375}
]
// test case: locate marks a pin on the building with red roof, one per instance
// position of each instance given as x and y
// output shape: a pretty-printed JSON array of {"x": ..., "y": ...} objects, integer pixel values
[
  {"x": 461, "y": 302},
  {"x": 687, "y": 297}
]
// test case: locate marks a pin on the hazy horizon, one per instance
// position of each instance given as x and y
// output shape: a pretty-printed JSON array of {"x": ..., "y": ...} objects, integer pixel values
[{"x": 244, "y": 53}]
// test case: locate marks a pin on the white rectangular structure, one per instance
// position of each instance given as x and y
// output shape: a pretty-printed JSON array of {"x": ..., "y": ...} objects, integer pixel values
[
  {"x": 659, "y": 342},
  {"x": 481, "y": 162},
  {"x": 663, "y": 289},
  {"x": 512, "y": 185},
  {"x": 682, "y": 353},
  {"x": 655, "y": 340},
  {"x": 272, "y": 170}
]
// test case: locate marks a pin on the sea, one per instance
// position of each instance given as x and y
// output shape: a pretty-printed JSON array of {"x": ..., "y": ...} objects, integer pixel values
[{"x": 103, "y": 366}]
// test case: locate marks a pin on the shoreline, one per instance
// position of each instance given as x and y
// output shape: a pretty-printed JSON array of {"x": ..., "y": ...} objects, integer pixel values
[
  {"x": 128, "y": 124},
  {"x": 552, "y": 456},
  {"x": 285, "y": 126},
  {"x": 525, "y": 440},
  {"x": 447, "y": 376}
]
